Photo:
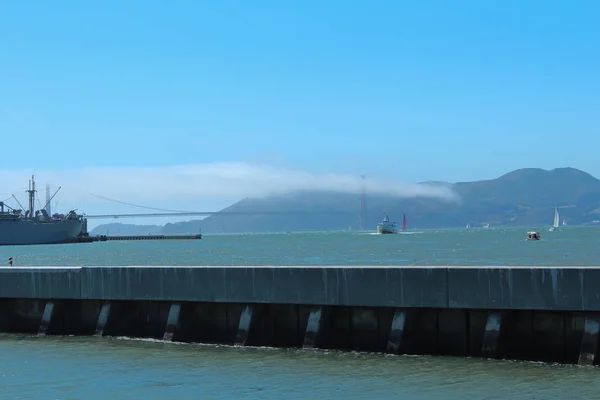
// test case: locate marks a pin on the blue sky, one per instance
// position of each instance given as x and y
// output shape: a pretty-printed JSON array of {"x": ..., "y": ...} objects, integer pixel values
[{"x": 406, "y": 90}]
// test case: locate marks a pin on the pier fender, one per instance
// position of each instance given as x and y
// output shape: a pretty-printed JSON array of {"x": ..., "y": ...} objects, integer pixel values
[
  {"x": 396, "y": 331},
  {"x": 102, "y": 319},
  {"x": 589, "y": 340},
  {"x": 46, "y": 318},
  {"x": 313, "y": 326},
  {"x": 244, "y": 326},
  {"x": 172, "y": 322},
  {"x": 491, "y": 334}
]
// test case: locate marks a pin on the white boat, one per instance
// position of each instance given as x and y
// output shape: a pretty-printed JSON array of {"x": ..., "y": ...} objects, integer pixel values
[
  {"x": 468, "y": 226},
  {"x": 486, "y": 226},
  {"x": 556, "y": 219},
  {"x": 385, "y": 226},
  {"x": 533, "y": 236}
]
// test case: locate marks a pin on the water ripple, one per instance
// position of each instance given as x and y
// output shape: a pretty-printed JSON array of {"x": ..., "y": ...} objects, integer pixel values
[{"x": 100, "y": 368}]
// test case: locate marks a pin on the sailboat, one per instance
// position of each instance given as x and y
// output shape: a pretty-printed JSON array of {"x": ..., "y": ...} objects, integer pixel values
[
  {"x": 404, "y": 223},
  {"x": 556, "y": 219}
]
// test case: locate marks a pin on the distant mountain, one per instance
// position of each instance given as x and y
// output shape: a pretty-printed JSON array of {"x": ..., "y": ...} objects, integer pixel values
[
  {"x": 436, "y": 183},
  {"x": 522, "y": 197},
  {"x": 118, "y": 229}
]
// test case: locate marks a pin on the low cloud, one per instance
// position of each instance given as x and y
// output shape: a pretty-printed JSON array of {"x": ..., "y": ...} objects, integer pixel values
[{"x": 145, "y": 185}]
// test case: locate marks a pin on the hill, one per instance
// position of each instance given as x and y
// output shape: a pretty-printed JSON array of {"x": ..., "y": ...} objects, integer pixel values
[
  {"x": 119, "y": 229},
  {"x": 521, "y": 197}
]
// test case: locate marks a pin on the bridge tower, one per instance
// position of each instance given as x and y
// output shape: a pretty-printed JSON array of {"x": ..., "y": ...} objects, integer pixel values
[
  {"x": 48, "y": 200},
  {"x": 363, "y": 204}
]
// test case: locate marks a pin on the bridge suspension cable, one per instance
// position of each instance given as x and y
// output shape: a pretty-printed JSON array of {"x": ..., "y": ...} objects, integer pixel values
[
  {"x": 137, "y": 205},
  {"x": 180, "y": 213},
  {"x": 209, "y": 213}
]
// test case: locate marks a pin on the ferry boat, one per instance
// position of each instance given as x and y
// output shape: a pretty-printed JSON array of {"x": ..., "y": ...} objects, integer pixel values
[
  {"x": 533, "y": 236},
  {"x": 385, "y": 226}
]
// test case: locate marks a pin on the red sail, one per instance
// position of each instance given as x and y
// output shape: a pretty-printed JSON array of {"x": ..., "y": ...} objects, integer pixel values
[{"x": 404, "y": 223}]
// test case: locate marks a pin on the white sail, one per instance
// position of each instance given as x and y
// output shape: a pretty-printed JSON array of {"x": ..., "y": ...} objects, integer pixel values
[{"x": 556, "y": 218}]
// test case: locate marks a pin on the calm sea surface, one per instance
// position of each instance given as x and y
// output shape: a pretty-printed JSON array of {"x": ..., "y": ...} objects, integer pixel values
[
  {"x": 122, "y": 368},
  {"x": 567, "y": 246}
]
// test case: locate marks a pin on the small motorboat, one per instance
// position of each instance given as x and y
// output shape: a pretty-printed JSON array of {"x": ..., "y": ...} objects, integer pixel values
[{"x": 533, "y": 236}]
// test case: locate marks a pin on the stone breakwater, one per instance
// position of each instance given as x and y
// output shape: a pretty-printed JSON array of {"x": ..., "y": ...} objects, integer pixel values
[{"x": 528, "y": 313}]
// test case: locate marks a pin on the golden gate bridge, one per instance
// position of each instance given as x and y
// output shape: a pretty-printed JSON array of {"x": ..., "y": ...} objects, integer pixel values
[
  {"x": 179, "y": 213},
  {"x": 209, "y": 213}
]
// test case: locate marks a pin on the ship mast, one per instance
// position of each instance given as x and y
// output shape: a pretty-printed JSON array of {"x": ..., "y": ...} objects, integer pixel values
[{"x": 31, "y": 193}]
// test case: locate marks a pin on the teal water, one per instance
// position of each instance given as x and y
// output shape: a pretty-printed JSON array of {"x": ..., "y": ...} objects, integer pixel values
[
  {"x": 567, "y": 246},
  {"x": 104, "y": 368},
  {"x": 121, "y": 368}
]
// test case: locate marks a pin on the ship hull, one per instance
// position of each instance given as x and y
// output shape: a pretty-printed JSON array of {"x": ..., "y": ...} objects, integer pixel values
[
  {"x": 26, "y": 232},
  {"x": 385, "y": 230}
]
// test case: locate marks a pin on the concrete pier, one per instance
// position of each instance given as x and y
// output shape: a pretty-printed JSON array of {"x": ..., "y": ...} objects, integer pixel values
[
  {"x": 86, "y": 238},
  {"x": 146, "y": 237},
  {"x": 528, "y": 313}
]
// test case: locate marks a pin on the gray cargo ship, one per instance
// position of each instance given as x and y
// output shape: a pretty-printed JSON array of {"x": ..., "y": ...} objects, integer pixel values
[{"x": 38, "y": 226}]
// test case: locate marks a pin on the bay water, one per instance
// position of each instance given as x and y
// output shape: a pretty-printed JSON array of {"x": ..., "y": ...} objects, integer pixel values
[
  {"x": 566, "y": 246},
  {"x": 127, "y": 368}
]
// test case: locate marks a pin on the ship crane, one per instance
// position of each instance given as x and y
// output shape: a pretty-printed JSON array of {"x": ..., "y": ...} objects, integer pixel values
[
  {"x": 3, "y": 205},
  {"x": 18, "y": 202}
]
